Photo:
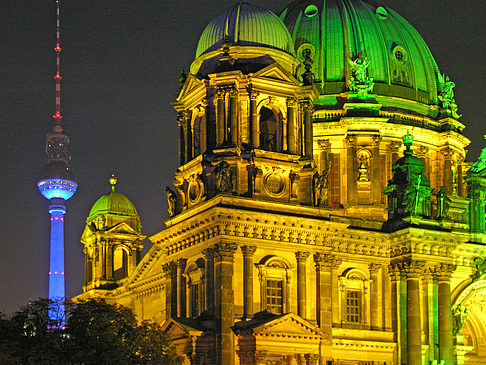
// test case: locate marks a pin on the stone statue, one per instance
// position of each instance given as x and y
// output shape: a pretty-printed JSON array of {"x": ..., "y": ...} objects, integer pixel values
[
  {"x": 171, "y": 201},
  {"x": 363, "y": 170},
  {"x": 224, "y": 182},
  {"x": 307, "y": 76},
  {"x": 359, "y": 81},
  {"x": 480, "y": 164},
  {"x": 320, "y": 186},
  {"x": 480, "y": 269},
  {"x": 459, "y": 316},
  {"x": 446, "y": 95},
  {"x": 442, "y": 203}
]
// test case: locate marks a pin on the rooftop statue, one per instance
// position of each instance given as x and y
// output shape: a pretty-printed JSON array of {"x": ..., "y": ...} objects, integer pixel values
[
  {"x": 360, "y": 82},
  {"x": 446, "y": 95}
]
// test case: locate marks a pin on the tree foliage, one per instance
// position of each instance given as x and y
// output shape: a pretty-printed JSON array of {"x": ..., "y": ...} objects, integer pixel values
[{"x": 95, "y": 333}]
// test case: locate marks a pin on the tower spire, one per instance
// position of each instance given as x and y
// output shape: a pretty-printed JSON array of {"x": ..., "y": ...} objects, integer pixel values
[{"x": 57, "y": 117}]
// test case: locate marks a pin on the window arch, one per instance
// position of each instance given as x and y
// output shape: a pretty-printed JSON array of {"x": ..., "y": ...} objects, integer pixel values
[
  {"x": 270, "y": 130},
  {"x": 274, "y": 274},
  {"x": 120, "y": 263},
  {"x": 196, "y": 287},
  {"x": 354, "y": 289}
]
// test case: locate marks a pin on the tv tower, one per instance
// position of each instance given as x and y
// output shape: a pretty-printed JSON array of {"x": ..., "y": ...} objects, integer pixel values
[{"x": 57, "y": 182}]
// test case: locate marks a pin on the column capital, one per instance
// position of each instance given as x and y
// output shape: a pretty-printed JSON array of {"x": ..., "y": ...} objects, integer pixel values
[
  {"x": 377, "y": 140},
  {"x": 324, "y": 261},
  {"x": 225, "y": 251},
  {"x": 233, "y": 91},
  {"x": 220, "y": 91},
  {"x": 374, "y": 268},
  {"x": 395, "y": 146},
  {"x": 181, "y": 263},
  {"x": 351, "y": 140},
  {"x": 248, "y": 251},
  {"x": 443, "y": 272},
  {"x": 412, "y": 269},
  {"x": 307, "y": 105},
  {"x": 323, "y": 144},
  {"x": 208, "y": 253},
  {"x": 421, "y": 152},
  {"x": 253, "y": 94},
  {"x": 301, "y": 256},
  {"x": 167, "y": 269},
  {"x": 291, "y": 102},
  {"x": 447, "y": 152},
  {"x": 394, "y": 272}
]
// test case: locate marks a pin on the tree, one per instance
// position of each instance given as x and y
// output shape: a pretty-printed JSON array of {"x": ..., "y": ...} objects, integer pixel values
[{"x": 95, "y": 333}]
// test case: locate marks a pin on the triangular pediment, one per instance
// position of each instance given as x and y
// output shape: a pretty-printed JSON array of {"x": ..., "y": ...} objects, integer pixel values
[
  {"x": 287, "y": 325},
  {"x": 192, "y": 83},
  {"x": 276, "y": 72},
  {"x": 122, "y": 228},
  {"x": 177, "y": 330}
]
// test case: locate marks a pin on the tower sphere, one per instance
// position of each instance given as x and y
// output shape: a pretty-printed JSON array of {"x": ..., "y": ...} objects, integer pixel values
[
  {"x": 245, "y": 25},
  {"x": 400, "y": 63},
  {"x": 57, "y": 180}
]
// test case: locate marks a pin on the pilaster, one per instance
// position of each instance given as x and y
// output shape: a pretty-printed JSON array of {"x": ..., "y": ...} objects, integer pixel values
[{"x": 301, "y": 258}]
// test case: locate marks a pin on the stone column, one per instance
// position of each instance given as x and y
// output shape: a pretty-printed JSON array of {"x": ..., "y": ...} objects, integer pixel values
[
  {"x": 234, "y": 115},
  {"x": 376, "y": 170},
  {"x": 248, "y": 252},
  {"x": 324, "y": 302},
  {"x": 224, "y": 301},
  {"x": 301, "y": 282},
  {"x": 109, "y": 260},
  {"x": 209, "y": 275},
  {"x": 291, "y": 136},
  {"x": 460, "y": 177},
  {"x": 335, "y": 291},
  {"x": 443, "y": 273},
  {"x": 255, "y": 128},
  {"x": 428, "y": 314},
  {"x": 376, "y": 319},
  {"x": 220, "y": 117},
  {"x": 181, "y": 288},
  {"x": 412, "y": 270},
  {"x": 167, "y": 271},
  {"x": 182, "y": 137},
  {"x": 188, "y": 134},
  {"x": 395, "y": 151},
  {"x": 308, "y": 108},
  {"x": 396, "y": 320},
  {"x": 448, "y": 153},
  {"x": 351, "y": 170}
]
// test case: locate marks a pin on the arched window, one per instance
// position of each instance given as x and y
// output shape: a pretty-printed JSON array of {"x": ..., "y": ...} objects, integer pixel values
[
  {"x": 270, "y": 131},
  {"x": 274, "y": 281},
  {"x": 199, "y": 133},
  {"x": 120, "y": 263},
  {"x": 354, "y": 287},
  {"x": 196, "y": 287}
]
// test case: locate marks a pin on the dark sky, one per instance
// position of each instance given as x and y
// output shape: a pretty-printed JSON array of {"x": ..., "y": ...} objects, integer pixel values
[{"x": 120, "y": 64}]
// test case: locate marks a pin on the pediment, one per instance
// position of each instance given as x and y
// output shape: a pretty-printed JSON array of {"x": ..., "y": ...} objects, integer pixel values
[
  {"x": 191, "y": 84},
  {"x": 288, "y": 325},
  {"x": 276, "y": 72},
  {"x": 177, "y": 330},
  {"x": 122, "y": 228}
]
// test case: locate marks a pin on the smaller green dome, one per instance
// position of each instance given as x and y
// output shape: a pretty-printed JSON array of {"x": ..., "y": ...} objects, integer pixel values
[
  {"x": 113, "y": 204},
  {"x": 245, "y": 25}
]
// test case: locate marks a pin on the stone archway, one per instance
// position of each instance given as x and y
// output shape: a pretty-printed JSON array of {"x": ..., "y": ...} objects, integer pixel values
[{"x": 469, "y": 318}]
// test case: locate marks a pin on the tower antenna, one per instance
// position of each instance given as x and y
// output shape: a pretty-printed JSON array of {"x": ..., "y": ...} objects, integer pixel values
[{"x": 57, "y": 117}]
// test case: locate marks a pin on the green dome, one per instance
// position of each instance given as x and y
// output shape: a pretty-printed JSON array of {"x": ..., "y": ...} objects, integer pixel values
[
  {"x": 339, "y": 31},
  {"x": 245, "y": 25},
  {"x": 113, "y": 204}
]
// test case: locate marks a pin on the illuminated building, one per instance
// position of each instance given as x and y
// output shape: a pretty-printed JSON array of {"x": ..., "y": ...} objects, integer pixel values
[
  {"x": 323, "y": 211},
  {"x": 57, "y": 183}
]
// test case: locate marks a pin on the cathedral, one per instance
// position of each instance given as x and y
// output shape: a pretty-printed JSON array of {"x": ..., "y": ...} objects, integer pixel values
[{"x": 322, "y": 212}]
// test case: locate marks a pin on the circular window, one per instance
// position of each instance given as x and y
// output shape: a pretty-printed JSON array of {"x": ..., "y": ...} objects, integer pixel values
[
  {"x": 400, "y": 54},
  {"x": 306, "y": 48},
  {"x": 194, "y": 192},
  {"x": 381, "y": 13},
  {"x": 311, "y": 11},
  {"x": 274, "y": 184}
]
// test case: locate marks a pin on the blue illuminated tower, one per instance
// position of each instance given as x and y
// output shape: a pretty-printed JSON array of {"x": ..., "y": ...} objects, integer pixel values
[{"x": 57, "y": 182}]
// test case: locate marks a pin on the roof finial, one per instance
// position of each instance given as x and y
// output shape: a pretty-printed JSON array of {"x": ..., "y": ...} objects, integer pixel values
[
  {"x": 57, "y": 117},
  {"x": 113, "y": 181},
  {"x": 407, "y": 141}
]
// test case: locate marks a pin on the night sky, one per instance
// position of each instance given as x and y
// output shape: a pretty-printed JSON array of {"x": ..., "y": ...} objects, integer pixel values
[{"x": 120, "y": 62}]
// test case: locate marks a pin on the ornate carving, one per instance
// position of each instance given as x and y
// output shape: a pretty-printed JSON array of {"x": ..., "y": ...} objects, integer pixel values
[
  {"x": 443, "y": 272},
  {"x": 307, "y": 105},
  {"x": 167, "y": 270},
  {"x": 363, "y": 169},
  {"x": 301, "y": 256},
  {"x": 307, "y": 77},
  {"x": 224, "y": 181},
  {"x": 351, "y": 140},
  {"x": 291, "y": 102},
  {"x": 411, "y": 269},
  {"x": 446, "y": 95},
  {"x": 324, "y": 261},
  {"x": 459, "y": 316},
  {"x": 377, "y": 140},
  {"x": 220, "y": 92},
  {"x": 208, "y": 253},
  {"x": 447, "y": 152},
  {"x": 320, "y": 187},
  {"x": 374, "y": 268},
  {"x": 248, "y": 250},
  {"x": 480, "y": 269},
  {"x": 225, "y": 251},
  {"x": 171, "y": 201},
  {"x": 395, "y": 146},
  {"x": 360, "y": 82},
  {"x": 233, "y": 92},
  {"x": 253, "y": 94},
  {"x": 421, "y": 152}
]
